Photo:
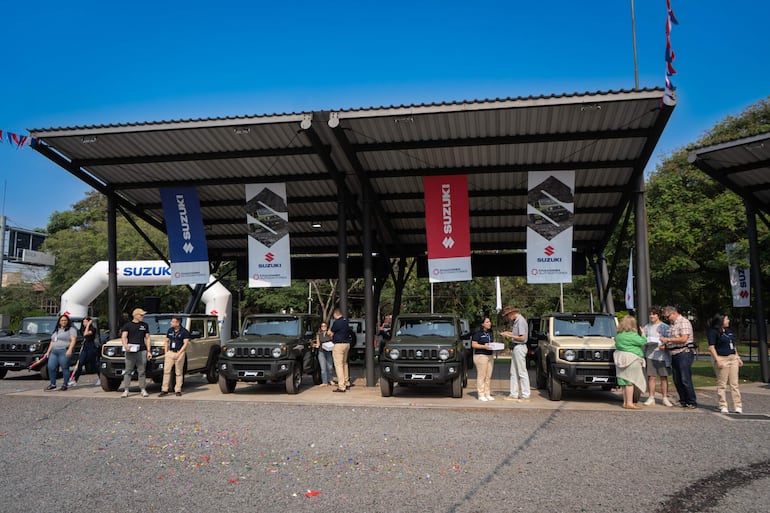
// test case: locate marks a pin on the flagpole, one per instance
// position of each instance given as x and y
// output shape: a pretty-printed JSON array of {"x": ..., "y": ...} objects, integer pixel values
[{"x": 633, "y": 36}]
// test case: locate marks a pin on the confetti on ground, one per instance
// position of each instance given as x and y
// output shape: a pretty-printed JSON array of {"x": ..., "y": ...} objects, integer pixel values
[{"x": 312, "y": 493}]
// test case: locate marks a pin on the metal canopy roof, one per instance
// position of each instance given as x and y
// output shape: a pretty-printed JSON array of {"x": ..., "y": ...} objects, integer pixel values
[
  {"x": 741, "y": 165},
  {"x": 606, "y": 137}
]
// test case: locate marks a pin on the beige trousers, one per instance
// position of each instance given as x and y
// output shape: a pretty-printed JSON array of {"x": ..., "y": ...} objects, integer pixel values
[
  {"x": 340, "y": 355},
  {"x": 484, "y": 364},
  {"x": 728, "y": 376},
  {"x": 175, "y": 361}
]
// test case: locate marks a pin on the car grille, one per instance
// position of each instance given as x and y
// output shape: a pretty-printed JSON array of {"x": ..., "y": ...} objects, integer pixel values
[
  {"x": 251, "y": 366},
  {"x": 418, "y": 354},
  {"x": 253, "y": 352},
  {"x": 594, "y": 355},
  {"x": 14, "y": 347},
  {"x": 419, "y": 370}
]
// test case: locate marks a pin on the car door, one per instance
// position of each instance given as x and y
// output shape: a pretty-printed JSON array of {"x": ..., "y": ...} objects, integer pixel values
[{"x": 196, "y": 359}]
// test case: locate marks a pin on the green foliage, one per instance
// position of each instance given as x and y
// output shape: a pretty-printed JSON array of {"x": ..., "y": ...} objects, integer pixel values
[{"x": 19, "y": 301}]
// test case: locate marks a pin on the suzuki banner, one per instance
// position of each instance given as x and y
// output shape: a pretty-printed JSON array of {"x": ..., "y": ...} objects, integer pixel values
[
  {"x": 267, "y": 216},
  {"x": 739, "y": 281},
  {"x": 447, "y": 228},
  {"x": 550, "y": 218},
  {"x": 186, "y": 238}
]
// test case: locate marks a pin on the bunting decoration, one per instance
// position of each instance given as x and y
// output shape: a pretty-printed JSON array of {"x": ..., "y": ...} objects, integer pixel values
[
  {"x": 15, "y": 139},
  {"x": 669, "y": 95}
]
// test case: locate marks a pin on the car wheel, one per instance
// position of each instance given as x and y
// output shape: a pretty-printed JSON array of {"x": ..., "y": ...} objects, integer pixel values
[
  {"x": 317, "y": 375},
  {"x": 540, "y": 376},
  {"x": 44, "y": 372},
  {"x": 386, "y": 387},
  {"x": 457, "y": 387},
  {"x": 465, "y": 378},
  {"x": 226, "y": 386},
  {"x": 295, "y": 379},
  {"x": 212, "y": 369},
  {"x": 3, "y": 372},
  {"x": 109, "y": 384},
  {"x": 554, "y": 387}
]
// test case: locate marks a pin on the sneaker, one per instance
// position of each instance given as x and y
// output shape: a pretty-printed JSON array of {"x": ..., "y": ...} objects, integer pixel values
[
  {"x": 650, "y": 401},
  {"x": 124, "y": 394},
  {"x": 49, "y": 388},
  {"x": 339, "y": 390},
  {"x": 490, "y": 398},
  {"x": 483, "y": 398},
  {"x": 72, "y": 383},
  {"x": 144, "y": 393},
  {"x": 666, "y": 402},
  {"x": 724, "y": 410},
  {"x": 98, "y": 382},
  {"x": 524, "y": 400},
  {"x": 63, "y": 388},
  {"x": 511, "y": 398},
  {"x": 739, "y": 411},
  {"x": 691, "y": 406}
]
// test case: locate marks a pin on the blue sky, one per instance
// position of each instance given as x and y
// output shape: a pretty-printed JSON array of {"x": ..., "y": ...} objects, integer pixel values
[{"x": 85, "y": 62}]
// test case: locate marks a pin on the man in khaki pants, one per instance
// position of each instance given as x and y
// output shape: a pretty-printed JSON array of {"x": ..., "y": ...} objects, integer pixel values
[
  {"x": 340, "y": 333},
  {"x": 177, "y": 340}
]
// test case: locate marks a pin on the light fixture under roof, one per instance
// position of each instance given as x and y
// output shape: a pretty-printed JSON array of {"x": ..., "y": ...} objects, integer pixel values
[
  {"x": 315, "y": 226},
  {"x": 241, "y": 130},
  {"x": 88, "y": 139}
]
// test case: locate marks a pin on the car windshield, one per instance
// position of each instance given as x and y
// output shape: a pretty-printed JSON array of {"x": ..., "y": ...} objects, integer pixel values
[
  {"x": 261, "y": 326},
  {"x": 426, "y": 328},
  {"x": 599, "y": 326},
  {"x": 35, "y": 326},
  {"x": 159, "y": 325}
]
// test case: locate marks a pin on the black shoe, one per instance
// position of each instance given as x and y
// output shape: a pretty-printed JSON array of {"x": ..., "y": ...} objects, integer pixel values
[
  {"x": 163, "y": 394},
  {"x": 63, "y": 388},
  {"x": 179, "y": 394},
  {"x": 49, "y": 388},
  {"x": 339, "y": 390}
]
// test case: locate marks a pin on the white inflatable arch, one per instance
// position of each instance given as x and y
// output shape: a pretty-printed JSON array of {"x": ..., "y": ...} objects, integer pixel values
[{"x": 75, "y": 300}]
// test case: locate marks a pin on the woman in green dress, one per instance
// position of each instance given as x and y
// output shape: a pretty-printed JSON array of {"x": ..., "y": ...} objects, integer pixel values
[{"x": 629, "y": 360}]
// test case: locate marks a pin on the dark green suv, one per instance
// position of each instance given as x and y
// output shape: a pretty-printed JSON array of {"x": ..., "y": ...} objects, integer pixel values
[
  {"x": 425, "y": 349},
  {"x": 274, "y": 348}
]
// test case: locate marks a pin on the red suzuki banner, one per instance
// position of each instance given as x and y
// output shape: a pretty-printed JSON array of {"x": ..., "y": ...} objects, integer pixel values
[{"x": 447, "y": 228}]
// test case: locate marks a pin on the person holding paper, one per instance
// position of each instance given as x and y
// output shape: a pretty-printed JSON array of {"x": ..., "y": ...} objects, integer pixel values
[
  {"x": 481, "y": 342},
  {"x": 658, "y": 360},
  {"x": 323, "y": 343},
  {"x": 519, "y": 333},
  {"x": 135, "y": 336}
]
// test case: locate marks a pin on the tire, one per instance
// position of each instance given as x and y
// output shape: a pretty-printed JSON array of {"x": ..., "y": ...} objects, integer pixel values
[
  {"x": 109, "y": 384},
  {"x": 465, "y": 378},
  {"x": 386, "y": 387},
  {"x": 457, "y": 387},
  {"x": 226, "y": 386},
  {"x": 294, "y": 380},
  {"x": 540, "y": 376},
  {"x": 3, "y": 372},
  {"x": 212, "y": 369},
  {"x": 554, "y": 387},
  {"x": 317, "y": 375},
  {"x": 44, "y": 373}
]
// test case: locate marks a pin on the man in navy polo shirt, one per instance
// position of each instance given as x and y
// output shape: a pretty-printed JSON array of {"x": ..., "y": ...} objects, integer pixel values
[
  {"x": 340, "y": 333},
  {"x": 177, "y": 340}
]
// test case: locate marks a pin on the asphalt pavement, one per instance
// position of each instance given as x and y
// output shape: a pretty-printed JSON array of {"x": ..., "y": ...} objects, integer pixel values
[{"x": 260, "y": 449}]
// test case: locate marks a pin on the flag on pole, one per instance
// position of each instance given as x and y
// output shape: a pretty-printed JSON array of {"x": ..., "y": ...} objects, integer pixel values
[{"x": 630, "y": 282}]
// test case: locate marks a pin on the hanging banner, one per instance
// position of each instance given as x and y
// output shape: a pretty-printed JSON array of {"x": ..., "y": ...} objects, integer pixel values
[
  {"x": 739, "y": 281},
  {"x": 447, "y": 228},
  {"x": 267, "y": 216},
  {"x": 186, "y": 237},
  {"x": 550, "y": 219},
  {"x": 630, "y": 282}
]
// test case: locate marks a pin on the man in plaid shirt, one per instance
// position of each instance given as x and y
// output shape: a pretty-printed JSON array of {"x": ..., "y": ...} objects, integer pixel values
[{"x": 680, "y": 342}]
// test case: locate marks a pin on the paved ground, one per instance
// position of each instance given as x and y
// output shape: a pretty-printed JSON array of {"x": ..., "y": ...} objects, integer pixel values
[{"x": 262, "y": 450}]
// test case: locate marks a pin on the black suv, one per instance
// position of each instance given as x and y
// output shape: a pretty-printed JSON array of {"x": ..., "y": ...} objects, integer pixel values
[
  {"x": 271, "y": 348},
  {"x": 29, "y": 344},
  {"x": 425, "y": 349}
]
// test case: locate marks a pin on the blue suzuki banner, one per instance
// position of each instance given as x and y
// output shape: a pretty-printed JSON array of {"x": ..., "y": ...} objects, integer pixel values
[{"x": 186, "y": 238}]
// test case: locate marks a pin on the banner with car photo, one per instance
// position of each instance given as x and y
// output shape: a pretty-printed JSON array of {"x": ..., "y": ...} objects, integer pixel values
[
  {"x": 267, "y": 217},
  {"x": 186, "y": 236},
  {"x": 550, "y": 220},
  {"x": 447, "y": 228}
]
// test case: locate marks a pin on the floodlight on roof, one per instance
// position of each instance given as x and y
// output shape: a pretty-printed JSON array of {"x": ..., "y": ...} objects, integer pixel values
[
  {"x": 241, "y": 130},
  {"x": 88, "y": 139}
]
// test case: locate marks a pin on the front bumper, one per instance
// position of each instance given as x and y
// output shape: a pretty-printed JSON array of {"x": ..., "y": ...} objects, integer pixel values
[
  {"x": 116, "y": 368},
  {"x": 254, "y": 370},
  {"x": 405, "y": 371},
  {"x": 585, "y": 375},
  {"x": 18, "y": 361}
]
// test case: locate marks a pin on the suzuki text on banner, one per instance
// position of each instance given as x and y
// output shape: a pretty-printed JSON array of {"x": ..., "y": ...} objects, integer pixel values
[
  {"x": 447, "y": 228},
  {"x": 550, "y": 219},
  {"x": 186, "y": 238},
  {"x": 267, "y": 215},
  {"x": 739, "y": 281}
]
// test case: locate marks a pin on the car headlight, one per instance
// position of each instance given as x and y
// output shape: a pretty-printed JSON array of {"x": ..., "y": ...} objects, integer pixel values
[
  {"x": 277, "y": 352},
  {"x": 443, "y": 354},
  {"x": 157, "y": 351},
  {"x": 32, "y": 348},
  {"x": 569, "y": 354},
  {"x": 230, "y": 352},
  {"x": 394, "y": 354},
  {"x": 111, "y": 351}
]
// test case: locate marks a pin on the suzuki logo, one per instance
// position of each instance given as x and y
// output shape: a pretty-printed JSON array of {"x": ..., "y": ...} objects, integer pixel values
[
  {"x": 744, "y": 294},
  {"x": 188, "y": 248},
  {"x": 448, "y": 242},
  {"x": 549, "y": 250},
  {"x": 269, "y": 257}
]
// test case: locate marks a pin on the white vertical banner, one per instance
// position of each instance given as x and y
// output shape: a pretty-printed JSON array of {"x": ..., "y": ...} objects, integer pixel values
[
  {"x": 267, "y": 216},
  {"x": 630, "y": 282},
  {"x": 739, "y": 281},
  {"x": 550, "y": 219}
]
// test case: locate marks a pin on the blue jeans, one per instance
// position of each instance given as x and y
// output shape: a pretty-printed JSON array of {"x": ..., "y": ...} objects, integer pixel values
[
  {"x": 326, "y": 360},
  {"x": 58, "y": 358},
  {"x": 681, "y": 365}
]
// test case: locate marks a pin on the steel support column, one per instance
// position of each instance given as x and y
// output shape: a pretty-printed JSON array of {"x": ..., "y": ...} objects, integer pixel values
[
  {"x": 756, "y": 279},
  {"x": 643, "y": 283},
  {"x": 371, "y": 314},
  {"x": 113, "y": 315},
  {"x": 342, "y": 250}
]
